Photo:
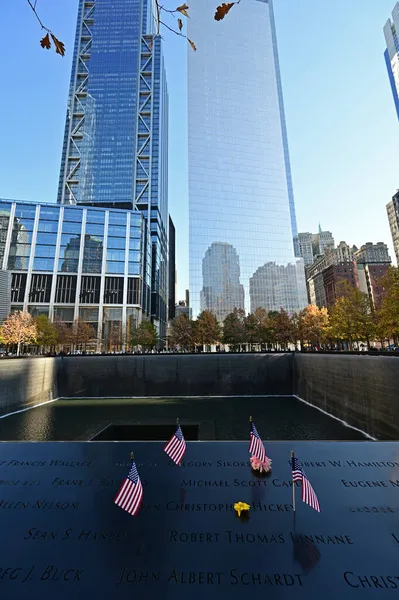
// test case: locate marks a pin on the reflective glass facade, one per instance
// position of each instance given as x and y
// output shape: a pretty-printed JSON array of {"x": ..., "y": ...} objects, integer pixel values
[
  {"x": 72, "y": 261},
  {"x": 241, "y": 208},
  {"x": 391, "y": 54},
  {"x": 116, "y": 136}
]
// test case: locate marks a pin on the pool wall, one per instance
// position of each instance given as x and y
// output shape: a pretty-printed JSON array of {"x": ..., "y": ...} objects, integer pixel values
[{"x": 361, "y": 390}]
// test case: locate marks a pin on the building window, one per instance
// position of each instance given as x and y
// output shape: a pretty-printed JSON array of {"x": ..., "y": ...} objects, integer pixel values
[
  {"x": 90, "y": 315},
  {"x": 4, "y": 220},
  {"x": 18, "y": 286},
  {"x": 40, "y": 288},
  {"x": 90, "y": 290},
  {"x": 66, "y": 289},
  {"x": 133, "y": 290},
  {"x": 93, "y": 253},
  {"x": 113, "y": 292},
  {"x": 37, "y": 311},
  {"x": 112, "y": 329},
  {"x": 64, "y": 313}
]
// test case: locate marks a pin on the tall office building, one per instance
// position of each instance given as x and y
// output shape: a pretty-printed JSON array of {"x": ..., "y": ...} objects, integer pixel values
[
  {"x": 393, "y": 218},
  {"x": 64, "y": 262},
  {"x": 240, "y": 191},
  {"x": 304, "y": 243},
  {"x": 172, "y": 270},
  {"x": 321, "y": 241},
  {"x": 222, "y": 291},
  {"x": 115, "y": 144},
  {"x": 391, "y": 53}
]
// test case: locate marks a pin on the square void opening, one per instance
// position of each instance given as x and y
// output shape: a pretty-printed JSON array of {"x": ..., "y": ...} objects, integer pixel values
[{"x": 143, "y": 433}]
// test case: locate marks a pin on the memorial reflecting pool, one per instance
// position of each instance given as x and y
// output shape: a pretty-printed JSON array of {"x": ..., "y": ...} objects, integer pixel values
[{"x": 209, "y": 418}]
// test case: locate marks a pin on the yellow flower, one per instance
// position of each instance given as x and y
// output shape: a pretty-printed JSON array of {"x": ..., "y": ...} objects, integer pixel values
[{"x": 240, "y": 506}]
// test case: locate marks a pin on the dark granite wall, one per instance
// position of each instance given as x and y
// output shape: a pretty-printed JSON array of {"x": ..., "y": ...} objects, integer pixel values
[
  {"x": 176, "y": 375},
  {"x": 361, "y": 390},
  {"x": 25, "y": 382}
]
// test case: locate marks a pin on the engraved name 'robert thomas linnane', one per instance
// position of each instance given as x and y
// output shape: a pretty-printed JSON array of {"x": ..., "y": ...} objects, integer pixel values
[{"x": 232, "y": 537}]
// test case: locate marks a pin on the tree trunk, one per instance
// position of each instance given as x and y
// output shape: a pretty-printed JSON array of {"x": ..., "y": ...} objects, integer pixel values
[{"x": 18, "y": 348}]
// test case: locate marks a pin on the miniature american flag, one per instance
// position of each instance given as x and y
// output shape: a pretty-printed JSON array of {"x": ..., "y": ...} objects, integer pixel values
[
  {"x": 256, "y": 447},
  {"x": 130, "y": 494},
  {"x": 308, "y": 493},
  {"x": 176, "y": 446}
]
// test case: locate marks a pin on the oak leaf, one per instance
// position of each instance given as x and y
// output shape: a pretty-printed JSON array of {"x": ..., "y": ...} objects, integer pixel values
[
  {"x": 222, "y": 10},
  {"x": 193, "y": 46},
  {"x": 180, "y": 24},
  {"x": 45, "y": 42},
  {"x": 59, "y": 46},
  {"x": 183, "y": 9}
]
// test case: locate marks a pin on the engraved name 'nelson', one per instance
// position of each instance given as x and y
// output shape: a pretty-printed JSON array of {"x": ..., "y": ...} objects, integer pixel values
[{"x": 39, "y": 504}]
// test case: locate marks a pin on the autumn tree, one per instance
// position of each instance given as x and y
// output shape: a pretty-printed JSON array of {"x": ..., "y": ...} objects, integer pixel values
[
  {"x": 81, "y": 332},
  {"x": 388, "y": 310},
  {"x": 351, "y": 316},
  {"x": 312, "y": 325},
  {"x": 182, "y": 332},
  {"x": 283, "y": 327},
  {"x": 207, "y": 329},
  {"x": 47, "y": 334},
  {"x": 259, "y": 327},
  {"x": 19, "y": 328},
  {"x": 234, "y": 331},
  {"x": 145, "y": 335},
  {"x": 64, "y": 332}
]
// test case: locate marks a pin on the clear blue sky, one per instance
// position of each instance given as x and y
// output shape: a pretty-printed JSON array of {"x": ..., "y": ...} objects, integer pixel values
[{"x": 342, "y": 127}]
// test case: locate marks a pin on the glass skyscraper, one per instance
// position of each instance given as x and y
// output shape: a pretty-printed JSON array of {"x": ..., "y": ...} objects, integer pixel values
[
  {"x": 391, "y": 54},
  {"x": 241, "y": 203},
  {"x": 116, "y": 132}
]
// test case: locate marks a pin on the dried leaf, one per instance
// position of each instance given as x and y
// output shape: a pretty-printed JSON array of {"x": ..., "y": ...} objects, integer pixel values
[
  {"x": 193, "y": 46},
  {"x": 183, "y": 9},
  {"x": 222, "y": 10},
  {"x": 59, "y": 46},
  {"x": 180, "y": 24},
  {"x": 45, "y": 42}
]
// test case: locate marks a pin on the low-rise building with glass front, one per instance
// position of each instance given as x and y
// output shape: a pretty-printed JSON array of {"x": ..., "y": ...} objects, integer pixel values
[{"x": 70, "y": 262}]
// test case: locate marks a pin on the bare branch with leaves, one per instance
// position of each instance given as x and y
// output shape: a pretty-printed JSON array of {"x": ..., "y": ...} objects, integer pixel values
[
  {"x": 221, "y": 11},
  {"x": 45, "y": 42},
  {"x": 182, "y": 10}
]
